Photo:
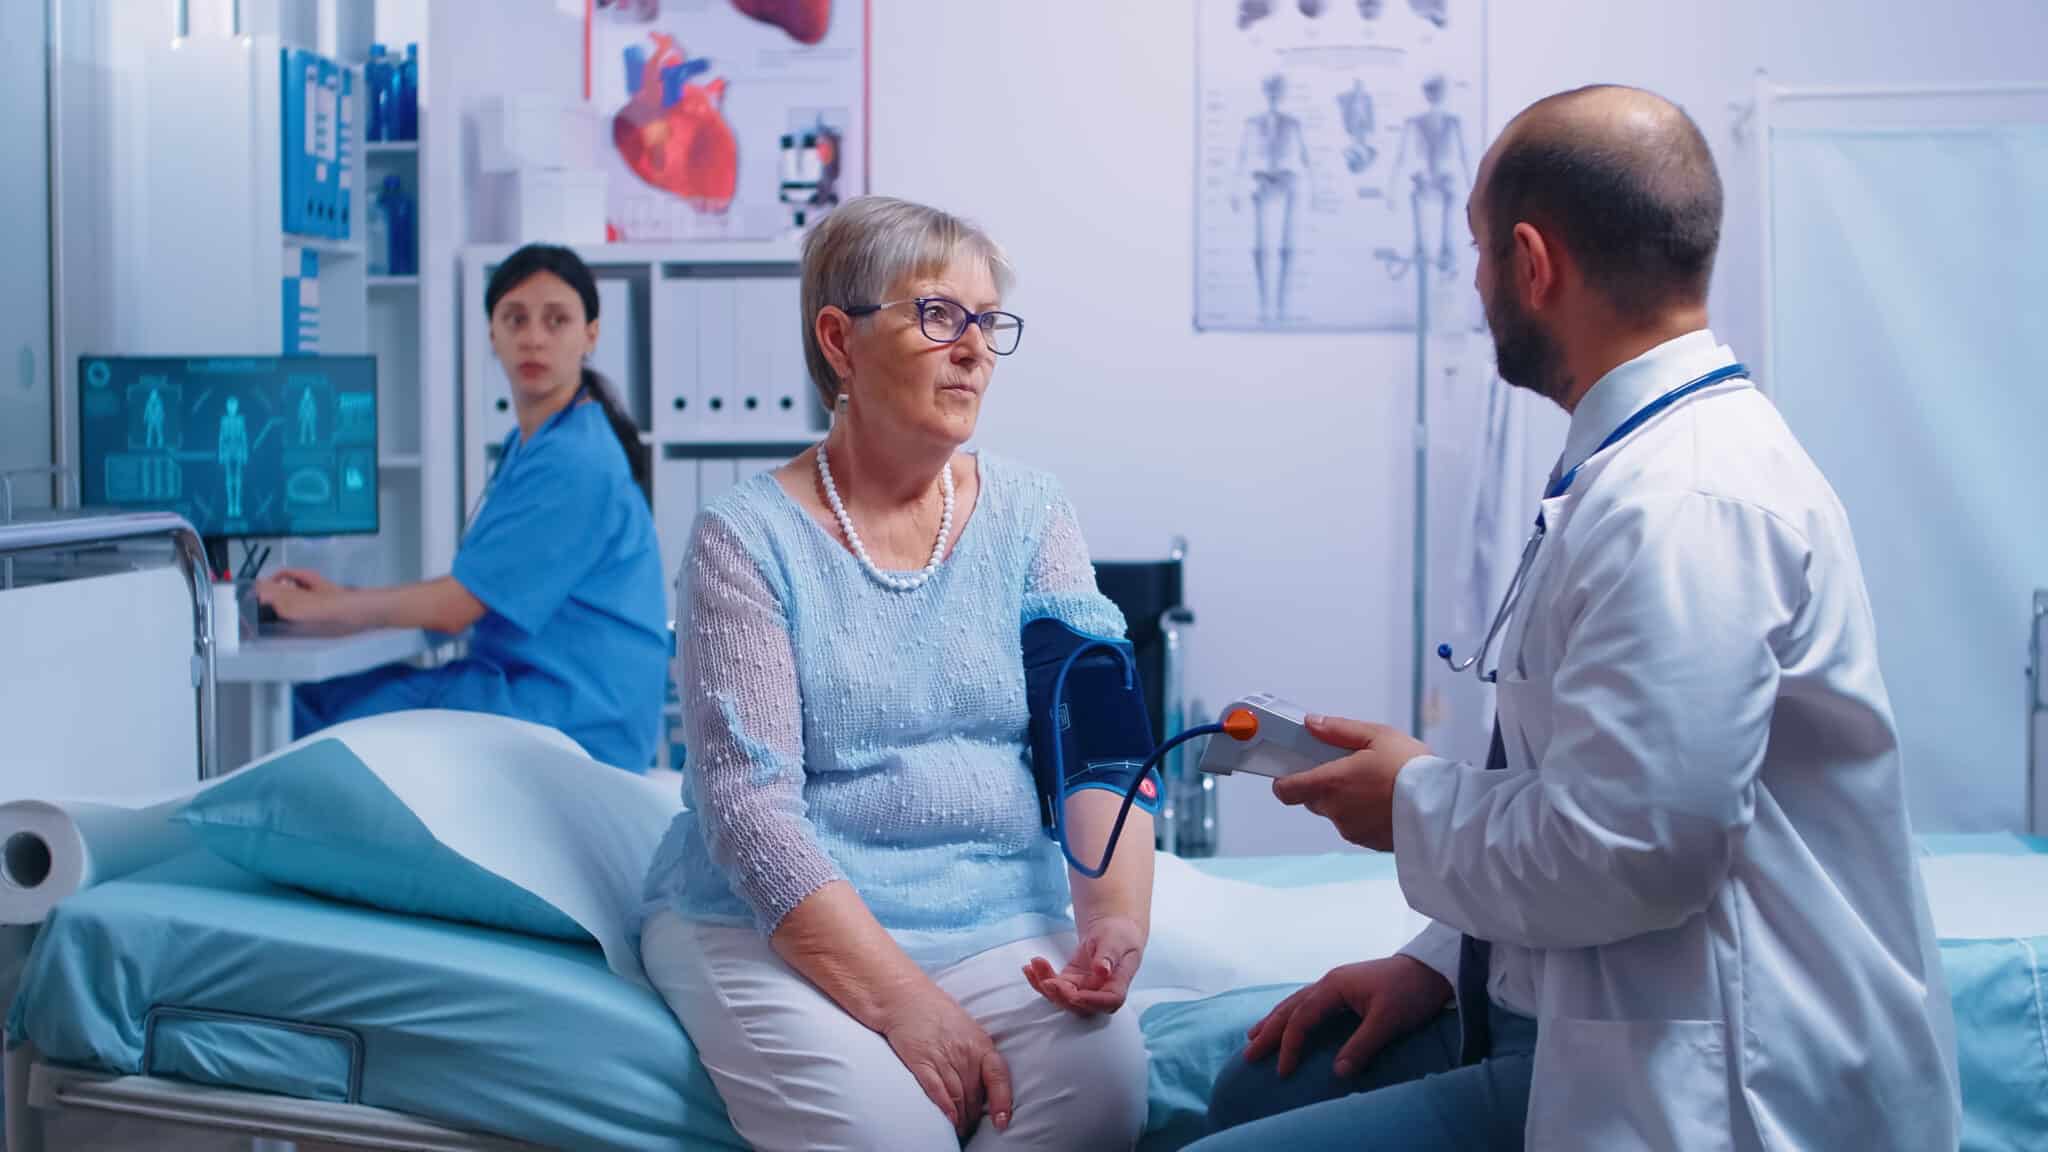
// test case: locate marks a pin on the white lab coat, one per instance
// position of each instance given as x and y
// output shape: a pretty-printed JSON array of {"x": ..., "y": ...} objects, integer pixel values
[{"x": 1698, "y": 866}]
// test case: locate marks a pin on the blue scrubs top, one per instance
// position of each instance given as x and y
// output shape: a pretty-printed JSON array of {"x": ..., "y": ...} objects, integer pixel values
[{"x": 564, "y": 557}]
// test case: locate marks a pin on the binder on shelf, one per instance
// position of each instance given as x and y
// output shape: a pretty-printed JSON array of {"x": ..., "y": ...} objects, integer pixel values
[
  {"x": 301, "y": 302},
  {"x": 326, "y": 151},
  {"x": 345, "y": 155},
  {"x": 790, "y": 394},
  {"x": 674, "y": 344},
  {"x": 717, "y": 356},
  {"x": 764, "y": 321},
  {"x": 614, "y": 355},
  {"x": 293, "y": 115}
]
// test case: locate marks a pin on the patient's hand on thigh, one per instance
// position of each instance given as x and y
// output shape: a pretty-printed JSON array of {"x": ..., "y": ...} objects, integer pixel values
[
  {"x": 952, "y": 1057},
  {"x": 1391, "y": 998}
]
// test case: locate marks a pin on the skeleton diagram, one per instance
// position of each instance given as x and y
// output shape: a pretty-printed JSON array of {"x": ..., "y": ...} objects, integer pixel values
[
  {"x": 1354, "y": 105},
  {"x": 153, "y": 420},
  {"x": 233, "y": 453},
  {"x": 1274, "y": 154},
  {"x": 1438, "y": 133}
]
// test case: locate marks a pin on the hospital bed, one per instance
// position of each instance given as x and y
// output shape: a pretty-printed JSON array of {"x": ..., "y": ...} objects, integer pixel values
[{"x": 192, "y": 994}]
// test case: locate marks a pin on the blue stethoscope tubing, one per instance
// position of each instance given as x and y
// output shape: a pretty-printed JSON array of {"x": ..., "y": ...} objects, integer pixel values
[{"x": 1563, "y": 484}]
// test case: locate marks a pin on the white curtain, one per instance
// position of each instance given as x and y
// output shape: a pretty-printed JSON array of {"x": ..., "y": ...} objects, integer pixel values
[
  {"x": 1909, "y": 352},
  {"x": 1486, "y": 474}
]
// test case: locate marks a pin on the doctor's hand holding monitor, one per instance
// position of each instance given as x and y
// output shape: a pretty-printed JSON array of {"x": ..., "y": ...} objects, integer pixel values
[
  {"x": 1677, "y": 907},
  {"x": 558, "y": 578}
]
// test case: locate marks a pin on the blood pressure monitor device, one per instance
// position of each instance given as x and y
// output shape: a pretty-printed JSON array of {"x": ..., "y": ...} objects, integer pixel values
[{"x": 1267, "y": 737}]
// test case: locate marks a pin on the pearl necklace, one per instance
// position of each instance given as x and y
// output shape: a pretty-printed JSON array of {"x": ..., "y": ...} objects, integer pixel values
[{"x": 891, "y": 581}]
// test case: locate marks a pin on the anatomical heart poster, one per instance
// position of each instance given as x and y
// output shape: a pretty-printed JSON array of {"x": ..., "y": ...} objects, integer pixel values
[{"x": 729, "y": 119}]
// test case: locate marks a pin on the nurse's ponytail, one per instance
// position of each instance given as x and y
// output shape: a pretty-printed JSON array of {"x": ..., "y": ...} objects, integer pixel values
[
  {"x": 639, "y": 457},
  {"x": 534, "y": 259}
]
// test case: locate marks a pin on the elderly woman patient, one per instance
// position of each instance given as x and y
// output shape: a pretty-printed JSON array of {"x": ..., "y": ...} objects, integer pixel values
[{"x": 854, "y": 917}]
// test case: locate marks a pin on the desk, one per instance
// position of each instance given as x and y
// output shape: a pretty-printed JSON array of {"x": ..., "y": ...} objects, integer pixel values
[{"x": 270, "y": 665}]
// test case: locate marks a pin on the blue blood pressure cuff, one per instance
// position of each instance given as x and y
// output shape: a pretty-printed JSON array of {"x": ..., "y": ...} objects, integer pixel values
[{"x": 1089, "y": 726}]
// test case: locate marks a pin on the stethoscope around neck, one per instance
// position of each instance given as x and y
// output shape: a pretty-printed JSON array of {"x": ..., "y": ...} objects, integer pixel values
[{"x": 1559, "y": 487}]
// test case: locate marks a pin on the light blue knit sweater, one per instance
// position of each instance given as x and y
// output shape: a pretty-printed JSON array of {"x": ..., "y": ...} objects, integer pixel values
[{"x": 841, "y": 730}]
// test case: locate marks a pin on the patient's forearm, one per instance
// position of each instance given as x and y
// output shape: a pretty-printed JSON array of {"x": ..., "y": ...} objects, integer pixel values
[
  {"x": 1126, "y": 889},
  {"x": 838, "y": 945}
]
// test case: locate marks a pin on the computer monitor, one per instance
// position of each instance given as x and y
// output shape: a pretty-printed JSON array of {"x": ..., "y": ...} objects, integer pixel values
[{"x": 240, "y": 446}]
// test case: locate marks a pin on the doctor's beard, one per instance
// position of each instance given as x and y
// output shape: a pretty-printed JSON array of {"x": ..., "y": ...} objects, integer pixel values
[{"x": 1524, "y": 353}]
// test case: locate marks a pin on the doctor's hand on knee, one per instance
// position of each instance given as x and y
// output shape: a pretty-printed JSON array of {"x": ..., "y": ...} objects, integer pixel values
[
  {"x": 1356, "y": 792},
  {"x": 952, "y": 1057},
  {"x": 1390, "y": 997}
]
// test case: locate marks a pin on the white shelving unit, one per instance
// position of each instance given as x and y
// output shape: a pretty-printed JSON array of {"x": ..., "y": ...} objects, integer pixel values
[
  {"x": 209, "y": 281},
  {"x": 327, "y": 246},
  {"x": 702, "y": 343},
  {"x": 397, "y": 319}
]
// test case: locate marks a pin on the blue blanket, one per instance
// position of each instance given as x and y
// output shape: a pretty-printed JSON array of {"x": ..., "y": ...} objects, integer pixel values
[
  {"x": 1997, "y": 986},
  {"x": 535, "y": 1039}
]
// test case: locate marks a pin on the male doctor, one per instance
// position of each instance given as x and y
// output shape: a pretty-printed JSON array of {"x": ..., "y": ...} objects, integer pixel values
[{"x": 1679, "y": 907}]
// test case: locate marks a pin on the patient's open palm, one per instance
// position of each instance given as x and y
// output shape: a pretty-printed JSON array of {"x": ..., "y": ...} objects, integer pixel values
[{"x": 1098, "y": 976}]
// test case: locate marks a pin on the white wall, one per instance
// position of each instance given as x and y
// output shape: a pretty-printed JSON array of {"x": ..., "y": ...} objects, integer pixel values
[
  {"x": 97, "y": 154},
  {"x": 25, "y": 234},
  {"x": 1066, "y": 127}
]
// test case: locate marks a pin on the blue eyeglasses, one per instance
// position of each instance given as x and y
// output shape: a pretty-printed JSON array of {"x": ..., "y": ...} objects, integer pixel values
[{"x": 943, "y": 321}]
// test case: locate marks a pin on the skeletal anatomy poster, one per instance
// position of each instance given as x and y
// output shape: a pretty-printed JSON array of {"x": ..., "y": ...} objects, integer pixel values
[
  {"x": 728, "y": 119},
  {"x": 1335, "y": 146}
]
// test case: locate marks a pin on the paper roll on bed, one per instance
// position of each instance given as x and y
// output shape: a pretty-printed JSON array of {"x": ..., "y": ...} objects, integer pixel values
[{"x": 50, "y": 850}]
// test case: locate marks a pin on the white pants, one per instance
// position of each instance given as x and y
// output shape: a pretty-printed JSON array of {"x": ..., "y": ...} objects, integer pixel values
[{"x": 797, "y": 1072}]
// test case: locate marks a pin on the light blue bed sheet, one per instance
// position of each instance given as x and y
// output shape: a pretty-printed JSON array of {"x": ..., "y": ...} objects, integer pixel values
[
  {"x": 537, "y": 1040},
  {"x": 1999, "y": 989},
  {"x": 469, "y": 1027}
]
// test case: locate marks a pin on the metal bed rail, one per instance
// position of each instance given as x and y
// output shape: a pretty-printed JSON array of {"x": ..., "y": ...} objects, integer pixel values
[
  {"x": 73, "y": 532},
  {"x": 207, "y": 1109}
]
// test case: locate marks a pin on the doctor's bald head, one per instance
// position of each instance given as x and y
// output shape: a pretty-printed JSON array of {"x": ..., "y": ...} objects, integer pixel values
[{"x": 1622, "y": 181}]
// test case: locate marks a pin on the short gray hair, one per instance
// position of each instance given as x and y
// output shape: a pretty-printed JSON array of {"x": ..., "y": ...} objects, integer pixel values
[{"x": 865, "y": 248}]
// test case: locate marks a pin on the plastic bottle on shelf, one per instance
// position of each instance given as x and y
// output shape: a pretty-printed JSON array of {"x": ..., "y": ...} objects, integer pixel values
[
  {"x": 376, "y": 82},
  {"x": 377, "y": 252},
  {"x": 394, "y": 95},
  {"x": 409, "y": 94},
  {"x": 400, "y": 238}
]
